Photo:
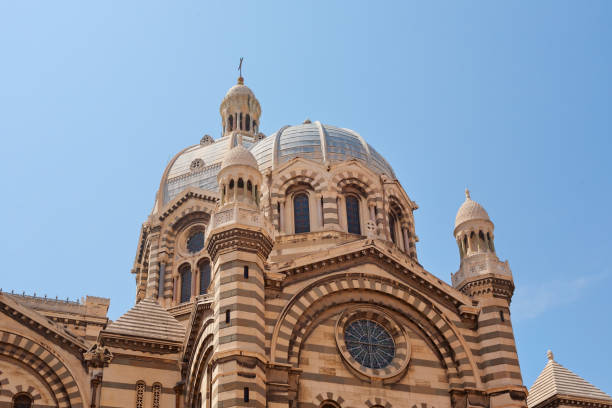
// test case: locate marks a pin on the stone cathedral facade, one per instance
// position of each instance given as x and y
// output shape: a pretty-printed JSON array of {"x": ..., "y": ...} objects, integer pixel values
[{"x": 278, "y": 271}]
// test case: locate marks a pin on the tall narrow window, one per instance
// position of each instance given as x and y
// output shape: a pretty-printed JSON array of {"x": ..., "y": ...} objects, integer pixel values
[
  {"x": 246, "y": 272},
  {"x": 204, "y": 275},
  {"x": 301, "y": 214},
  {"x": 227, "y": 316},
  {"x": 246, "y": 394},
  {"x": 230, "y": 123},
  {"x": 140, "y": 389},
  {"x": 352, "y": 215},
  {"x": 185, "y": 272},
  {"x": 156, "y": 394},
  {"x": 240, "y": 120},
  {"x": 22, "y": 401},
  {"x": 392, "y": 223},
  {"x": 248, "y": 122}
]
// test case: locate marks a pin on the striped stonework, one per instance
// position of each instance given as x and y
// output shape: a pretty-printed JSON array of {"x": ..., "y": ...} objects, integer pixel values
[
  {"x": 345, "y": 289},
  {"x": 499, "y": 363},
  {"x": 56, "y": 376},
  {"x": 237, "y": 378}
]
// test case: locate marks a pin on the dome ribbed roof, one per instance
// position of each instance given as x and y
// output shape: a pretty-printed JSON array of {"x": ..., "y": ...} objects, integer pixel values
[
  {"x": 314, "y": 141},
  {"x": 470, "y": 210},
  {"x": 238, "y": 156}
]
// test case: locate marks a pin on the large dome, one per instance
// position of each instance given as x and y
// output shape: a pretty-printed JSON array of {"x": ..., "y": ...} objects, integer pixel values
[{"x": 198, "y": 165}]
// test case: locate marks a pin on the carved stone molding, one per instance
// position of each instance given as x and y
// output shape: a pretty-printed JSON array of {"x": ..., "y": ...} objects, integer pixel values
[{"x": 238, "y": 239}]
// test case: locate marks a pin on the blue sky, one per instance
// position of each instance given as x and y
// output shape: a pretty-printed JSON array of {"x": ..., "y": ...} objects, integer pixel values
[{"x": 511, "y": 99}]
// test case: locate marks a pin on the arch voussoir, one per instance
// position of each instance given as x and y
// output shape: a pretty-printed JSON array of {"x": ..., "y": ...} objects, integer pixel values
[
  {"x": 48, "y": 366},
  {"x": 289, "y": 335}
]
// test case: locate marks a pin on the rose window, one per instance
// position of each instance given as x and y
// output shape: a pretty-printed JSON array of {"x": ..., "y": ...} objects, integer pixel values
[{"x": 369, "y": 343}]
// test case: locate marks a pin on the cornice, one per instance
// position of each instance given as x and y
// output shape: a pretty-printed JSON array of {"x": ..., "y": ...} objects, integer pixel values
[
  {"x": 239, "y": 239},
  {"x": 41, "y": 325},
  {"x": 558, "y": 400},
  {"x": 489, "y": 285},
  {"x": 369, "y": 250},
  {"x": 139, "y": 343},
  {"x": 190, "y": 193}
]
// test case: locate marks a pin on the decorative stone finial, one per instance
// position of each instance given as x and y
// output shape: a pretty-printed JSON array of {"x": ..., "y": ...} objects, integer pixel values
[
  {"x": 240, "y": 80},
  {"x": 307, "y": 121},
  {"x": 467, "y": 194},
  {"x": 550, "y": 356}
]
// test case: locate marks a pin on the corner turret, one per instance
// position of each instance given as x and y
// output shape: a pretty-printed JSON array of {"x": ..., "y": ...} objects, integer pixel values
[{"x": 481, "y": 273}]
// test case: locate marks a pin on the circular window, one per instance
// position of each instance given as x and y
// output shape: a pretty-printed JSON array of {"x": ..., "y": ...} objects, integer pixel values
[
  {"x": 195, "y": 243},
  {"x": 372, "y": 344},
  {"x": 369, "y": 343}
]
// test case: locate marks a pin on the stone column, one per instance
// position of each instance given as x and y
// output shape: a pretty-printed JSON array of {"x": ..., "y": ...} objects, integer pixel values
[
  {"x": 162, "y": 277},
  {"x": 405, "y": 237},
  {"x": 318, "y": 198},
  {"x": 330, "y": 211},
  {"x": 281, "y": 217},
  {"x": 153, "y": 275}
]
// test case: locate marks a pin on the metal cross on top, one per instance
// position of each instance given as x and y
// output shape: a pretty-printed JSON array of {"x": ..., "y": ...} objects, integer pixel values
[{"x": 240, "y": 66}]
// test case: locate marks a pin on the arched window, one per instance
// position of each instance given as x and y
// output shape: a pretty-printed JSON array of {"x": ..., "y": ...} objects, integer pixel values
[
  {"x": 248, "y": 122},
  {"x": 301, "y": 213},
  {"x": 231, "y": 185},
  {"x": 392, "y": 227},
  {"x": 240, "y": 183},
  {"x": 22, "y": 401},
  {"x": 204, "y": 268},
  {"x": 329, "y": 404},
  {"x": 140, "y": 390},
  {"x": 240, "y": 120},
  {"x": 249, "y": 186},
  {"x": 185, "y": 272},
  {"x": 230, "y": 123},
  {"x": 157, "y": 388},
  {"x": 352, "y": 215},
  {"x": 255, "y": 126}
]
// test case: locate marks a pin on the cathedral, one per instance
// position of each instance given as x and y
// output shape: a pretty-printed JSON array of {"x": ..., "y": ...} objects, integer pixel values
[{"x": 282, "y": 271}]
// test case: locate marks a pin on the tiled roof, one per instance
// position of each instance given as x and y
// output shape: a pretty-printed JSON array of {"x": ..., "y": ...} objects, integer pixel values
[
  {"x": 558, "y": 380},
  {"x": 149, "y": 320}
]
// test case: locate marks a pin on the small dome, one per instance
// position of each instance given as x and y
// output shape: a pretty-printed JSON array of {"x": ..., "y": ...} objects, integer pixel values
[
  {"x": 470, "y": 210},
  {"x": 239, "y": 89},
  {"x": 239, "y": 155}
]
